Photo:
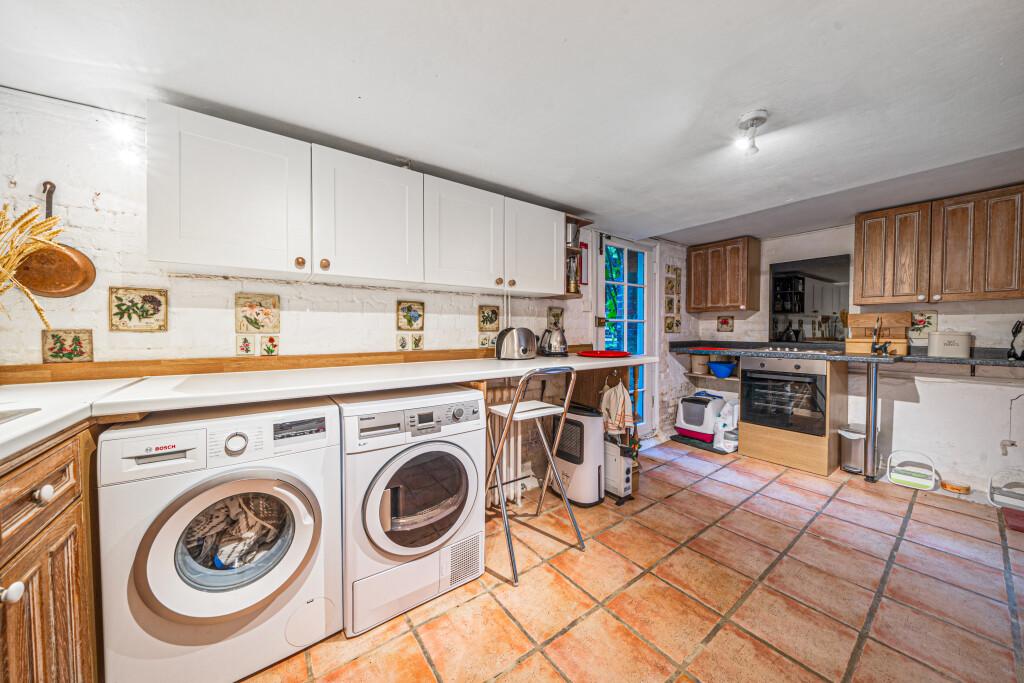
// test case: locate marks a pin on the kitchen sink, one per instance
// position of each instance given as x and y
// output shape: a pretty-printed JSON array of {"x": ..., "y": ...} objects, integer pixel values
[{"x": 8, "y": 415}]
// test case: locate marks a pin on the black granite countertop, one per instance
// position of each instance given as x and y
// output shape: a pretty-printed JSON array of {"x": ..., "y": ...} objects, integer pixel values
[{"x": 980, "y": 355}]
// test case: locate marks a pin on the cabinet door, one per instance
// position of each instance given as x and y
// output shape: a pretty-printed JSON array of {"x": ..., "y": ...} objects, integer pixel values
[
  {"x": 891, "y": 255},
  {"x": 225, "y": 198},
  {"x": 464, "y": 235},
  {"x": 367, "y": 219},
  {"x": 735, "y": 274},
  {"x": 717, "y": 277},
  {"x": 534, "y": 248},
  {"x": 697, "y": 280},
  {"x": 48, "y": 634}
]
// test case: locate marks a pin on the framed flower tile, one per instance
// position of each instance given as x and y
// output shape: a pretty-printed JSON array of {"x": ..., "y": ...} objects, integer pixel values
[
  {"x": 410, "y": 316},
  {"x": 726, "y": 323},
  {"x": 257, "y": 313},
  {"x": 488, "y": 318},
  {"x": 483, "y": 340},
  {"x": 270, "y": 344},
  {"x": 417, "y": 341},
  {"x": 403, "y": 342},
  {"x": 138, "y": 309},
  {"x": 245, "y": 344},
  {"x": 67, "y": 346}
]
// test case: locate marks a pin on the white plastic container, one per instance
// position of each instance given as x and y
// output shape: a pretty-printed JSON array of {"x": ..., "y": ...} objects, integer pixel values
[{"x": 949, "y": 344}]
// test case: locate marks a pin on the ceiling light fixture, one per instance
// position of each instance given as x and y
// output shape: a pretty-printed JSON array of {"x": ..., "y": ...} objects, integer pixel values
[{"x": 749, "y": 124}]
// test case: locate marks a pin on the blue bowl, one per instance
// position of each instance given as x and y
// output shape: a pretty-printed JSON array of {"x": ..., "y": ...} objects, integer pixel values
[{"x": 722, "y": 368}]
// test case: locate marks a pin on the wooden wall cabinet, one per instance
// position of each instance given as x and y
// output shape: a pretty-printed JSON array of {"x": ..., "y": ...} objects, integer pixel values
[
  {"x": 964, "y": 248},
  {"x": 724, "y": 276},
  {"x": 49, "y": 632}
]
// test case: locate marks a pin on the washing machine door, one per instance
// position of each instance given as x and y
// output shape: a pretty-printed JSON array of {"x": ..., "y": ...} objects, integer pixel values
[
  {"x": 228, "y": 547},
  {"x": 421, "y": 498}
]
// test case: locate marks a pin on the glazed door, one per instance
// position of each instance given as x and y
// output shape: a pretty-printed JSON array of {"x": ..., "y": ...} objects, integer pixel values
[
  {"x": 228, "y": 547},
  {"x": 421, "y": 498}
]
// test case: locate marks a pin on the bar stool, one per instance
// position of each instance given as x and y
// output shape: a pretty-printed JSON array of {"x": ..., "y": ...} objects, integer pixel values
[{"x": 518, "y": 411}]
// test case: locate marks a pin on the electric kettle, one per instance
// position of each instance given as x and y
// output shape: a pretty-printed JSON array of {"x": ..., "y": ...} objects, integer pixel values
[{"x": 552, "y": 343}]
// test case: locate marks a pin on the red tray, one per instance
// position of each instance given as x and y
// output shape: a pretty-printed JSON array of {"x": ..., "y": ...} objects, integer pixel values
[{"x": 603, "y": 354}]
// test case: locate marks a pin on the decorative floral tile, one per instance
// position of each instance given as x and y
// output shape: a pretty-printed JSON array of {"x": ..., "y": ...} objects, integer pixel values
[
  {"x": 136, "y": 309},
  {"x": 270, "y": 344},
  {"x": 410, "y": 315},
  {"x": 484, "y": 340},
  {"x": 417, "y": 341},
  {"x": 260, "y": 313},
  {"x": 555, "y": 317},
  {"x": 921, "y": 323},
  {"x": 67, "y": 346},
  {"x": 726, "y": 323},
  {"x": 245, "y": 344},
  {"x": 403, "y": 342},
  {"x": 488, "y": 318}
]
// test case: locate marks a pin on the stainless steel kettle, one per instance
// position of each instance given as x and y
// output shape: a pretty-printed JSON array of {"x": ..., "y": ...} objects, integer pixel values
[
  {"x": 552, "y": 343},
  {"x": 515, "y": 343}
]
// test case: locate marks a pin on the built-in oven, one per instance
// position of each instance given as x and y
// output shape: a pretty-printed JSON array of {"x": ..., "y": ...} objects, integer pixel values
[{"x": 784, "y": 393}]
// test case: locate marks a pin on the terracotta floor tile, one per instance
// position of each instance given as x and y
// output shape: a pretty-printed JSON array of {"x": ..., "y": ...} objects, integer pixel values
[
  {"x": 544, "y": 602},
  {"x": 534, "y": 669},
  {"x": 1015, "y": 539},
  {"x": 1017, "y": 562},
  {"x": 795, "y": 496},
  {"x": 809, "y": 482},
  {"x": 735, "y": 657},
  {"x": 338, "y": 650},
  {"x": 737, "y": 478},
  {"x": 976, "y": 614},
  {"x": 664, "y": 452},
  {"x": 866, "y": 517},
  {"x": 474, "y": 641},
  {"x": 291, "y": 670},
  {"x": 637, "y": 542},
  {"x": 722, "y": 459},
  {"x": 696, "y": 465},
  {"x": 953, "y": 569},
  {"x": 759, "y": 468},
  {"x": 553, "y": 524},
  {"x": 599, "y": 648},
  {"x": 882, "y": 487},
  {"x": 757, "y": 528},
  {"x": 697, "y": 505},
  {"x": 728, "y": 494},
  {"x": 647, "y": 463},
  {"x": 629, "y": 507},
  {"x": 655, "y": 488},
  {"x": 401, "y": 661},
  {"x": 734, "y": 551},
  {"x": 863, "y": 539},
  {"x": 541, "y": 542},
  {"x": 443, "y": 603},
  {"x": 941, "y": 645},
  {"x": 948, "y": 502},
  {"x": 497, "y": 568},
  {"x": 787, "y": 514},
  {"x": 530, "y": 498},
  {"x": 712, "y": 583},
  {"x": 668, "y": 522},
  {"x": 881, "y": 664},
  {"x": 669, "y": 619},
  {"x": 599, "y": 570},
  {"x": 839, "y": 476},
  {"x": 670, "y": 474},
  {"x": 845, "y": 563},
  {"x": 958, "y": 544},
  {"x": 839, "y": 599},
  {"x": 818, "y": 641},
  {"x": 957, "y": 521},
  {"x": 592, "y": 520},
  {"x": 1018, "y": 589},
  {"x": 873, "y": 500}
]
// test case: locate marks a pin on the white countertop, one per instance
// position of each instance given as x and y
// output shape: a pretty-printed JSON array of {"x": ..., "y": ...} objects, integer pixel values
[
  {"x": 59, "y": 404},
  {"x": 174, "y": 392}
]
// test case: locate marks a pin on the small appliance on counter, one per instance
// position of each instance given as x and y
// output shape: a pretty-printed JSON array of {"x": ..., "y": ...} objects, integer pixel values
[
  {"x": 697, "y": 414},
  {"x": 949, "y": 344},
  {"x": 515, "y": 343},
  {"x": 552, "y": 343},
  {"x": 580, "y": 456}
]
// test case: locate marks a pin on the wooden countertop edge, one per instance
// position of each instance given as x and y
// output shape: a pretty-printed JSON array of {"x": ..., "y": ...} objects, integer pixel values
[{"x": 19, "y": 458}]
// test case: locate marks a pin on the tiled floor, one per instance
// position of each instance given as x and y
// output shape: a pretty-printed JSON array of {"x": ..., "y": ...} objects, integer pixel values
[{"x": 721, "y": 570}]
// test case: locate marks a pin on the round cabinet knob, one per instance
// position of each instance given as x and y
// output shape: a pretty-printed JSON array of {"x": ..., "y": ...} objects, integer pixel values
[
  {"x": 743, "y": 307},
  {"x": 796, "y": 366},
  {"x": 44, "y": 494},
  {"x": 236, "y": 444},
  {"x": 457, "y": 414},
  {"x": 511, "y": 283},
  {"x": 12, "y": 593},
  {"x": 936, "y": 297},
  {"x": 325, "y": 264},
  {"x": 300, "y": 262},
  {"x": 499, "y": 280},
  {"x": 761, "y": 364},
  {"x": 921, "y": 297}
]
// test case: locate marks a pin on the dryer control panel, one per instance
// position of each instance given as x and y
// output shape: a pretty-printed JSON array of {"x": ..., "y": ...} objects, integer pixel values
[
  {"x": 430, "y": 420},
  {"x": 401, "y": 426}
]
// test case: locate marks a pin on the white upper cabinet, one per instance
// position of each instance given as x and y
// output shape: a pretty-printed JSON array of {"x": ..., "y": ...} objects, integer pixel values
[
  {"x": 534, "y": 249},
  {"x": 367, "y": 219},
  {"x": 225, "y": 198},
  {"x": 463, "y": 235}
]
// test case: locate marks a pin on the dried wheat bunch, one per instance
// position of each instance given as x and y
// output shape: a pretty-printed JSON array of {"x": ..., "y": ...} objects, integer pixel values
[{"x": 19, "y": 238}]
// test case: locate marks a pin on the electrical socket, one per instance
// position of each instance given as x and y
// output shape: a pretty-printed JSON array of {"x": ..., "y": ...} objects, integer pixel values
[{"x": 1005, "y": 445}]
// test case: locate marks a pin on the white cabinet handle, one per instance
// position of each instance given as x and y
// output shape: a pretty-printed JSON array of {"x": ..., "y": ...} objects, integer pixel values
[
  {"x": 12, "y": 593},
  {"x": 921, "y": 297},
  {"x": 499, "y": 280},
  {"x": 44, "y": 494},
  {"x": 511, "y": 283},
  {"x": 936, "y": 297},
  {"x": 300, "y": 262}
]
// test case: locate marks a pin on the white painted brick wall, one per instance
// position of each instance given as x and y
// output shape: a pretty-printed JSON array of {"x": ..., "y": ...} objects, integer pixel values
[{"x": 101, "y": 199}]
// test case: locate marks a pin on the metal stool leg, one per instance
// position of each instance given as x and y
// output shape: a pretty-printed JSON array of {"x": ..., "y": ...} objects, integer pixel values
[
  {"x": 553, "y": 473},
  {"x": 496, "y": 472}
]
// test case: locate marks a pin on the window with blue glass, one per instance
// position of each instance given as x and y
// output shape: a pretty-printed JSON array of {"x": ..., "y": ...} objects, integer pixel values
[{"x": 625, "y": 308}]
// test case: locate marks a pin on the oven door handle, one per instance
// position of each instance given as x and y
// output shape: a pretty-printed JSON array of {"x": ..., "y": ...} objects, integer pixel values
[{"x": 805, "y": 379}]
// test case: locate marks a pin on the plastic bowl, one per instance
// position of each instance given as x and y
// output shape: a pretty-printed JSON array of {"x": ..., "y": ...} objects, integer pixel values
[{"x": 721, "y": 368}]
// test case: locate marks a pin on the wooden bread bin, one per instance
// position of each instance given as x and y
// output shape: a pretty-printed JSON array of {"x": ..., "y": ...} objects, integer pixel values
[{"x": 892, "y": 328}]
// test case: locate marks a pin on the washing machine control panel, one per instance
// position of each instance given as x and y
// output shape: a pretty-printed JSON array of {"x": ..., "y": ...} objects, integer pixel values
[{"x": 431, "y": 420}]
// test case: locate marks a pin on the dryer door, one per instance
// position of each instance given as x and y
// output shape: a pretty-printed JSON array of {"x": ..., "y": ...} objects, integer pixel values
[
  {"x": 421, "y": 498},
  {"x": 228, "y": 546}
]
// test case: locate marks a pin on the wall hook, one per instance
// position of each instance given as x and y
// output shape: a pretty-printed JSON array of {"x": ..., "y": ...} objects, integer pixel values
[{"x": 48, "y": 189}]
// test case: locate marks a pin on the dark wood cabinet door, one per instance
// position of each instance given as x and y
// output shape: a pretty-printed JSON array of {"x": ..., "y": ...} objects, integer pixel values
[
  {"x": 736, "y": 274},
  {"x": 697, "y": 280},
  {"x": 716, "y": 277},
  {"x": 48, "y": 634},
  {"x": 891, "y": 255}
]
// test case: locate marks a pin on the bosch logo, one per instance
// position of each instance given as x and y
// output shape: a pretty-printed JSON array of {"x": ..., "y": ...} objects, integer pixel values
[{"x": 168, "y": 447}]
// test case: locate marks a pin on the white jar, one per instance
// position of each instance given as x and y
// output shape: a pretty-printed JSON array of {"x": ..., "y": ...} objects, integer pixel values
[{"x": 949, "y": 344}]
